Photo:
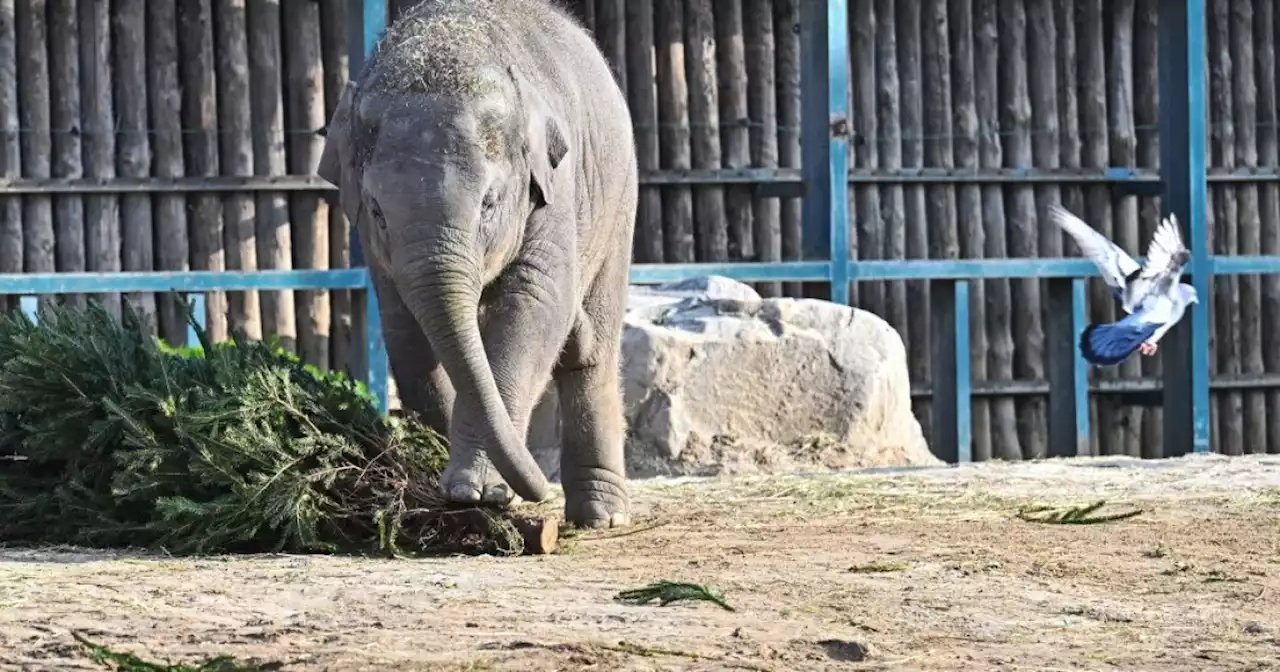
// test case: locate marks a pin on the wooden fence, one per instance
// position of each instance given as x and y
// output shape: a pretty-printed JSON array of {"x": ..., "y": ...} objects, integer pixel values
[{"x": 138, "y": 88}]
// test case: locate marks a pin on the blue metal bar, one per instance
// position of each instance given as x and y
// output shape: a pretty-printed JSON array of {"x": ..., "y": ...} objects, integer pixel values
[
  {"x": 180, "y": 281},
  {"x": 1182, "y": 159},
  {"x": 838, "y": 143},
  {"x": 1201, "y": 268},
  {"x": 815, "y": 124},
  {"x": 963, "y": 375},
  {"x": 24, "y": 284},
  {"x": 1080, "y": 373},
  {"x": 375, "y": 23},
  {"x": 952, "y": 384}
]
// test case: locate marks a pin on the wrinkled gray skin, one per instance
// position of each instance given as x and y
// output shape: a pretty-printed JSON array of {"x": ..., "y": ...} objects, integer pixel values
[{"x": 485, "y": 155}]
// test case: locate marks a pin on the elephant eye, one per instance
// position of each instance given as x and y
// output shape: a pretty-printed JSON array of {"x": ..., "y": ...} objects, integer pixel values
[
  {"x": 490, "y": 201},
  {"x": 376, "y": 211}
]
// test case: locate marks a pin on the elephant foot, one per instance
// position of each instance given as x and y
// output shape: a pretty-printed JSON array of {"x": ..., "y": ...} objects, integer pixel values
[
  {"x": 474, "y": 481},
  {"x": 596, "y": 498}
]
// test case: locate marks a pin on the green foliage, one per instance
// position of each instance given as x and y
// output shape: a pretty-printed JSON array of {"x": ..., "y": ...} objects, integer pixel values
[
  {"x": 109, "y": 439},
  {"x": 666, "y": 592},
  {"x": 128, "y": 662}
]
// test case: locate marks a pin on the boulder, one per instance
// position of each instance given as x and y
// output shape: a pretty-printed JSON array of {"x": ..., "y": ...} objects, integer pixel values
[{"x": 718, "y": 380}]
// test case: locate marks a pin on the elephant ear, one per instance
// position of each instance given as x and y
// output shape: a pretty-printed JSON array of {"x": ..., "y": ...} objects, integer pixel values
[
  {"x": 545, "y": 144},
  {"x": 336, "y": 135},
  {"x": 335, "y": 160}
]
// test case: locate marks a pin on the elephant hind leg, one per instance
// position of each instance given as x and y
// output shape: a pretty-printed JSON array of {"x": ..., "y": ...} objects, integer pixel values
[{"x": 592, "y": 458}]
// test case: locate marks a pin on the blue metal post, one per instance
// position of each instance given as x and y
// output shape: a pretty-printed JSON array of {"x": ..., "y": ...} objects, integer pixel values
[
  {"x": 1068, "y": 373},
  {"x": 952, "y": 387},
  {"x": 815, "y": 106},
  {"x": 373, "y": 19},
  {"x": 838, "y": 124},
  {"x": 1183, "y": 167}
]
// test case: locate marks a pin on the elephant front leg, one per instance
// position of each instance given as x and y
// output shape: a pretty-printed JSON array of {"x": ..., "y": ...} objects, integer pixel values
[{"x": 523, "y": 332}]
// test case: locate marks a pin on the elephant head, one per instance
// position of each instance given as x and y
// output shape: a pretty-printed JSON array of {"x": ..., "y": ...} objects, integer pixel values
[{"x": 441, "y": 187}]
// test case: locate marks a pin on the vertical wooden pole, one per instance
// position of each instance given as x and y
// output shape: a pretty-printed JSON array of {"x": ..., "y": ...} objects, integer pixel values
[
  {"x": 165, "y": 114},
  {"x": 133, "y": 159},
  {"x": 10, "y": 149},
  {"x": 1182, "y": 168},
  {"x": 235, "y": 141}
]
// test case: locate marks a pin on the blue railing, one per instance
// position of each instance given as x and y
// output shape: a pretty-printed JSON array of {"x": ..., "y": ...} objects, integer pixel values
[{"x": 823, "y": 182}]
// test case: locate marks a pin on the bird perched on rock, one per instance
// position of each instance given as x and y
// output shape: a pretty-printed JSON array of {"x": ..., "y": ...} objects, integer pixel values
[{"x": 1150, "y": 293}]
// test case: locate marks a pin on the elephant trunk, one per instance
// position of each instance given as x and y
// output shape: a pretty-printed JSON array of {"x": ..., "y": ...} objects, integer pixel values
[{"x": 445, "y": 299}]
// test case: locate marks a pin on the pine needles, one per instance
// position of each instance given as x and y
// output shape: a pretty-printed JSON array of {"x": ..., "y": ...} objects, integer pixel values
[
  {"x": 117, "y": 441},
  {"x": 666, "y": 592}
]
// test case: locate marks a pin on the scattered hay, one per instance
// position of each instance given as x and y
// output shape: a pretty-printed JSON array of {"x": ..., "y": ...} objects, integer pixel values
[
  {"x": 1075, "y": 515},
  {"x": 880, "y": 568},
  {"x": 666, "y": 592}
]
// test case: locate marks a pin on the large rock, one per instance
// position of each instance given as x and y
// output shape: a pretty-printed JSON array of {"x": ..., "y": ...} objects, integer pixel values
[{"x": 717, "y": 380}]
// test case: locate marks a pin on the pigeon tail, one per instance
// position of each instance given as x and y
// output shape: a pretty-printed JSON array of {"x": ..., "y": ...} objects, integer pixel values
[{"x": 1110, "y": 343}]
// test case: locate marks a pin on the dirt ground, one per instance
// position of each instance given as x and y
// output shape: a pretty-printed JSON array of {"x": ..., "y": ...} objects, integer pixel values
[{"x": 916, "y": 570}]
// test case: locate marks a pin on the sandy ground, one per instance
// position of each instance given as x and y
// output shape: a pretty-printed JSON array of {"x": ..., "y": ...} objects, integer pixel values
[{"x": 963, "y": 584}]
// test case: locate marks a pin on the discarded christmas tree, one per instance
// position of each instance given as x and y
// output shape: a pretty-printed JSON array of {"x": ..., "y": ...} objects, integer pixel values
[{"x": 110, "y": 439}]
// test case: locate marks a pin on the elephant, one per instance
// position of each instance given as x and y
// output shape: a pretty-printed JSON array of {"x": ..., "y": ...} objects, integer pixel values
[{"x": 485, "y": 156}]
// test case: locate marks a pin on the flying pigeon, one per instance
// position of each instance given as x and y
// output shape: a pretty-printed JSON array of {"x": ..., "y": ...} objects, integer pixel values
[{"x": 1150, "y": 293}]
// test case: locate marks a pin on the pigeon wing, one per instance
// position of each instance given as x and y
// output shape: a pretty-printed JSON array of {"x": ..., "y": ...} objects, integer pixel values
[
  {"x": 1114, "y": 264},
  {"x": 1166, "y": 254}
]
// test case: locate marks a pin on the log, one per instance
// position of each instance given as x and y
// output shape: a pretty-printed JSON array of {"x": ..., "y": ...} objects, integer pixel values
[
  {"x": 1042, "y": 86},
  {"x": 133, "y": 146},
  {"x": 1006, "y": 444},
  {"x": 1146, "y": 116},
  {"x": 1023, "y": 234},
  {"x": 865, "y": 199},
  {"x": 310, "y": 213},
  {"x": 10, "y": 148},
  {"x": 735, "y": 132},
  {"x": 279, "y": 319},
  {"x": 1245, "y": 102},
  {"x": 101, "y": 211},
  {"x": 786, "y": 22},
  {"x": 239, "y": 218},
  {"x": 165, "y": 107},
  {"x": 892, "y": 199},
  {"x": 762, "y": 108},
  {"x": 64, "y": 120},
  {"x": 1123, "y": 149},
  {"x": 36, "y": 144},
  {"x": 200, "y": 145},
  {"x": 673, "y": 125},
  {"x": 642, "y": 99},
  {"x": 1226, "y": 300},
  {"x": 333, "y": 45},
  {"x": 1091, "y": 47},
  {"x": 611, "y": 36},
  {"x": 710, "y": 227},
  {"x": 1264, "y": 26},
  {"x": 919, "y": 336},
  {"x": 969, "y": 207}
]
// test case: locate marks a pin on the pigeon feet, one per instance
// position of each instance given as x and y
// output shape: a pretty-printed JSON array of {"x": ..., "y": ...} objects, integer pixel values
[{"x": 1147, "y": 349}]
